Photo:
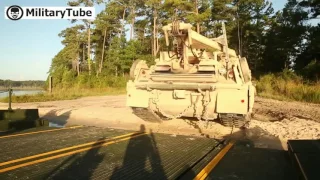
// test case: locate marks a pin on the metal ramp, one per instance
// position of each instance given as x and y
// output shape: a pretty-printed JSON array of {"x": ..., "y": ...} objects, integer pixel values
[{"x": 305, "y": 156}]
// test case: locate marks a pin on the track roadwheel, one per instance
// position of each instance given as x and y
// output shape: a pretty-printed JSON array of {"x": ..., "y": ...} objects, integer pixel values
[
  {"x": 245, "y": 69},
  {"x": 226, "y": 122},
  {"x": 236, "y": 120},
  {"x": 146, "y": 114}
]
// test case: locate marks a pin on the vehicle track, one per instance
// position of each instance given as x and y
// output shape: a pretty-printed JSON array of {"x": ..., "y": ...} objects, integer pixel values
[{"x": 228, "y": 120}]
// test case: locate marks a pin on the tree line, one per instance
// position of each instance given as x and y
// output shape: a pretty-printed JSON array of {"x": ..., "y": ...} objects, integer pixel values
[
  {"x": 21, "y": 84},
  {"x": 98, "y": 54}
]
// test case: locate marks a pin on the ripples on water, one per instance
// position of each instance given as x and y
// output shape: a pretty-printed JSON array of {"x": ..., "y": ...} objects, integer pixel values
[
  {"x": 19, "y": 92},
  {"x": 51, "y": 124}
]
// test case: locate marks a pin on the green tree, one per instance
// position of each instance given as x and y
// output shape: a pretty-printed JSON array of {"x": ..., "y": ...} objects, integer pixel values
[
  {"x": 308, "y": 61},
  {"x": 86, "y": 3},
  {"x": 270, "y": 41},
  {"x": 106, "y": 26},
  {"x": 286, "y": 37},
  {"x": 314, "y": 6}
]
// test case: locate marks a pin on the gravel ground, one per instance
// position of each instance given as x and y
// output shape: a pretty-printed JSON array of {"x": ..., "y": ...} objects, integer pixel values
[
  {"x": 276, "y": 110},
  {"x": 273, "y": 121}
]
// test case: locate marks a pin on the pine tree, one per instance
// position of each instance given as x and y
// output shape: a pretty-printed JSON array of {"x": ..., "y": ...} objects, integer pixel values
[{"x": 86, "y": 3}]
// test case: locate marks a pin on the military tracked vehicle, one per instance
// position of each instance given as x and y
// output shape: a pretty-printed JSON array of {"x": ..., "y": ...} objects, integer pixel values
[{"x": 197, "y": 77}]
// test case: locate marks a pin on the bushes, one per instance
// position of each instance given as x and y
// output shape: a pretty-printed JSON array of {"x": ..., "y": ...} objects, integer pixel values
[
  {"x": 69, "y": 79},
  {"x": 65, "y": 94},
  {"x": 70, "y": 87},
  {"x": 287, "y": 85}
]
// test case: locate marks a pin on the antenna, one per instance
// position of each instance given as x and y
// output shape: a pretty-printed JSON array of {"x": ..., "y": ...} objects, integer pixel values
[
  {"x": 238, "y": 24},
  {"x": 225, "y": 41},
  {"x": 225, "y": 46},
  {"x": 175, "y": 14}
]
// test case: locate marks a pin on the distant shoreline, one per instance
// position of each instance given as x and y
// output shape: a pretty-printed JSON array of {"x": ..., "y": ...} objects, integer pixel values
[{"x": 22, "y": 88}]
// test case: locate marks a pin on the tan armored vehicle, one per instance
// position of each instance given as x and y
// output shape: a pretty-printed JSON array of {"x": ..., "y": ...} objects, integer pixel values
[{"x": 200, "y": 78}]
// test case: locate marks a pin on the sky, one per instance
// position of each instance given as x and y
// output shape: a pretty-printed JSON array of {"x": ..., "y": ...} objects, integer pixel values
[{"x": 28, "y": 46}]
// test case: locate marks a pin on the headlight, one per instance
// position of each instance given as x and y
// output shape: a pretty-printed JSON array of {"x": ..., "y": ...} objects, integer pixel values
[
  {"x": 230, "y": 74},
  {"x": 222, "y": 71}
]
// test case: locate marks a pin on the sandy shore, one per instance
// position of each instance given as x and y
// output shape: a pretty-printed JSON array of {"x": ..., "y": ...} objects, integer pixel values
[{"x": 274, "y": 122}]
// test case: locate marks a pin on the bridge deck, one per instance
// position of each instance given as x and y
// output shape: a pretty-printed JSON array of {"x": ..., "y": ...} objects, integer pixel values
[
  {"x": 69, "y": 154},
  {"x": 305, "y": 155},
  {"x": 102, "y": 153}
]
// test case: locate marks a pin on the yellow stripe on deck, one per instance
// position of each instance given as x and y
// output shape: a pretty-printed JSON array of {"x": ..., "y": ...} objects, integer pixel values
[
  {"x": 206, "y": 170},
  {"x": 36, "y": 132},
  {"x": 64, "y": 149},
  {"x": 67, "y": 154}
]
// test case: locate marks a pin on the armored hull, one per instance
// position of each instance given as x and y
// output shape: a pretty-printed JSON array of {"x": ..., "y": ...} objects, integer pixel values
[{"x": 204, "y": 80}]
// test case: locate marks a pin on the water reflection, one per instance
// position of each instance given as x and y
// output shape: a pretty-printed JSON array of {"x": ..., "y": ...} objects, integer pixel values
[
  {"x": 51, "y": 124},
  {"x": 20, "y": 92}
]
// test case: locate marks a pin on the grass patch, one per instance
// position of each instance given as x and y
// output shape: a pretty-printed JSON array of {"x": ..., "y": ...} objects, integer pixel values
[
  {"x": 64, "y": 94},
  {"x": 288, "y": 86}
]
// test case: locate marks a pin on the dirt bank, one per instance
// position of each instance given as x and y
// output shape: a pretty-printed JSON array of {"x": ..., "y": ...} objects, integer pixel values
[
  {"x": 274, "y": 110},
  {"x": 273, "y": 121}
]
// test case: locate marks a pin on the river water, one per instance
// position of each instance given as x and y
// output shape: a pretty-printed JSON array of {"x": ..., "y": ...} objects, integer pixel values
[{"x": 19, "y": 92}]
